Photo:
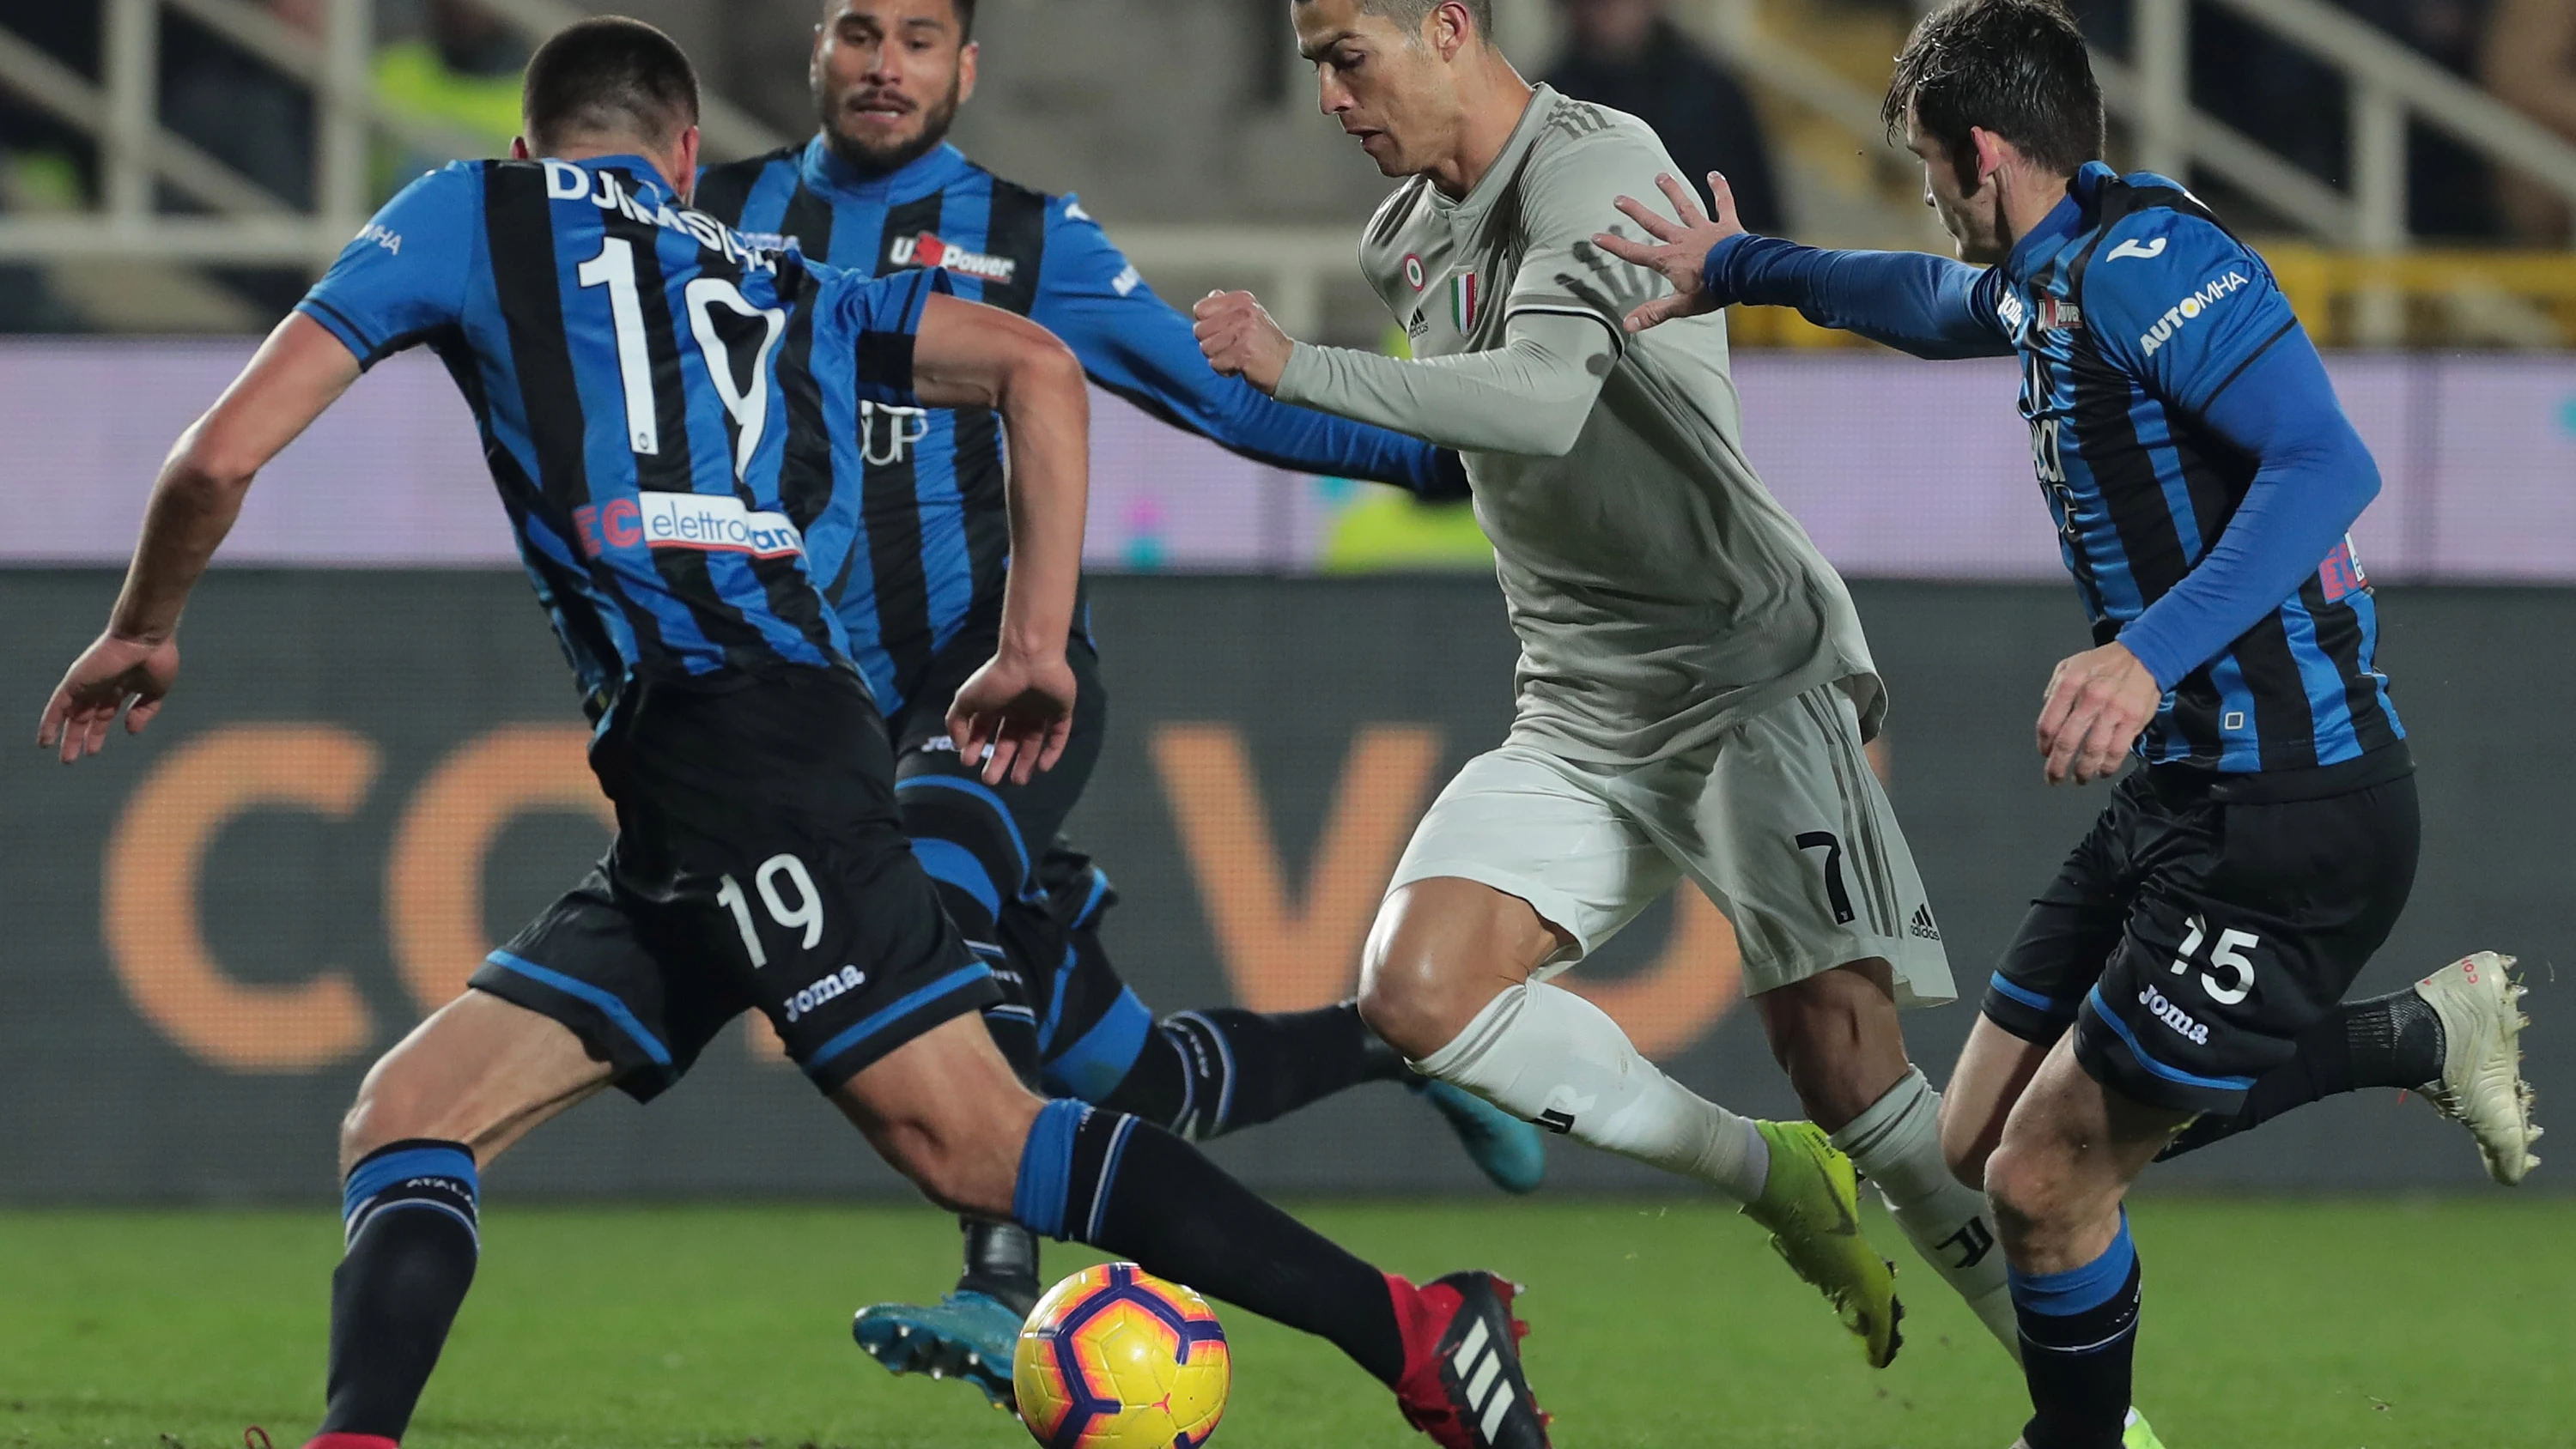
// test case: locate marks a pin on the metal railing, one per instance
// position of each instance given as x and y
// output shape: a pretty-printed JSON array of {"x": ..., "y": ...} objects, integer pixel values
[
  {"x": 249, "y": 223},
  {"x": 1296, "y": 266},
  {"x": 2387, "y": 84}
]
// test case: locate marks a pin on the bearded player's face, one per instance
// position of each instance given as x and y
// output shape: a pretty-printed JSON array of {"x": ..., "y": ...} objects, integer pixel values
[
  {"x": 1386, "y": 86},
  {"x": 888, "y": 76}
]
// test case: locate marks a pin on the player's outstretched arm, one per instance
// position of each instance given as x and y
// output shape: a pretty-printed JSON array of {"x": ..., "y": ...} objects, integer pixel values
[
  {"x": 1136, "y": 345},
  {"x": 1933, "y": 307},
  {"x": 1529, "y": 397},
  {"x": 1019, "y": 706},
  {"x": 297, "y": 373}
]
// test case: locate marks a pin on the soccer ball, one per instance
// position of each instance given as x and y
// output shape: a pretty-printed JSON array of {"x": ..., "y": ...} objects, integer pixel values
[{"x": 1115, "y": 1358}]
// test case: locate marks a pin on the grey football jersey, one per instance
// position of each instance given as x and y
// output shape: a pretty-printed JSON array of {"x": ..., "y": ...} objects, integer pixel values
[{"x": 1660, "y": 593}]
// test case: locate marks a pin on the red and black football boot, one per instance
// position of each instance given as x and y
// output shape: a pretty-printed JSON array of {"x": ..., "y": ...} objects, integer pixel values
[{"x": 1462, "y": 1381}]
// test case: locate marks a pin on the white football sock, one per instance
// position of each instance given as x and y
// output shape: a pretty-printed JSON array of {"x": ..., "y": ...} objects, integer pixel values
[
  {"x": 1548, "y": 1056},
  {"x": 1897, "y": 1145}
]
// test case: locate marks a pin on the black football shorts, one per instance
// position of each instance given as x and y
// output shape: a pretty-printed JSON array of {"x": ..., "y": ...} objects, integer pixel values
[
  {"x": 2207, "y": 920},
  {"x": 759, "y": 863}
]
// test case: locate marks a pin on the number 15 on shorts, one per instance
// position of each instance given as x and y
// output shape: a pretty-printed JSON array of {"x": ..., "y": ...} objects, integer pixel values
[
  {"x": 805, "y": 915},
  {"x": 2227, "y": 955}
]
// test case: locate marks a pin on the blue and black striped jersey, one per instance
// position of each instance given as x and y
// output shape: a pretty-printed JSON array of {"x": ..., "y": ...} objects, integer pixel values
[
  {"x": 664, "y": 406},
  {"x": 926, "y": 563},
  {"x": 2132, "y": 309},
  {"x": 2201, "y": 472}
]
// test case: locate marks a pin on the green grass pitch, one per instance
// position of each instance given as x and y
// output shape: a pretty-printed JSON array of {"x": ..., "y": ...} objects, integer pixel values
[{"x": 2285, "y": 1325}]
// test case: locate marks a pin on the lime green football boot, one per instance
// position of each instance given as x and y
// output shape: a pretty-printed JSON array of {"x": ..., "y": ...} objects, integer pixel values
[
  {"x": 1811, "y": 1204},
  {"x": 2133, "y": 1435}
]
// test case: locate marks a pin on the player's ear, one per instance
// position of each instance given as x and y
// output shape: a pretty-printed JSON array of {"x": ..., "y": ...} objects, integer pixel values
[
  {"x": 966, "y": 56},
  {"x": 684, "y": 153},
  {"x": 519, "y": 149},
  {"x": 1441, "y": 31},
  {"x": 1987, "y": 156}
]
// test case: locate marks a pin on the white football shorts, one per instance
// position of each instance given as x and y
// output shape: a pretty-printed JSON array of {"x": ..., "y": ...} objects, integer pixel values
[{"x": 1780, "y": 820}]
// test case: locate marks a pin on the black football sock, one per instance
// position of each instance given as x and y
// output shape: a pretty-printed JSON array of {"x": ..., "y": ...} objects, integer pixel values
[
  {"x": 1001, "y": 1263},
  {"x": 412, "y": 1243},
  {"x": 2079, "y": 1335},
  {"x": 2387, "y": 1041},
  {"x": 1205, "y": 1073},
  {"x": 1131, "y": 1188}
]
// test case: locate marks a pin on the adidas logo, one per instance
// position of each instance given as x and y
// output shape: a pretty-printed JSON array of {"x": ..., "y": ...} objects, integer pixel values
[
  {"x": 1923, "y": 928},
  {"x": 1484, "y": 1388}
]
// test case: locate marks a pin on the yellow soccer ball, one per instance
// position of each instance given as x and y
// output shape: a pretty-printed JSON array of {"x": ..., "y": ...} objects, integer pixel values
[{"x": 1115, "y": 1358}]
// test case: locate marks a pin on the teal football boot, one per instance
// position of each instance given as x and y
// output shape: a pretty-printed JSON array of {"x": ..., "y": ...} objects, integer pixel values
[
  {"x": 1509, "y": 1150},
  {"x": 967, "y": 1336}
]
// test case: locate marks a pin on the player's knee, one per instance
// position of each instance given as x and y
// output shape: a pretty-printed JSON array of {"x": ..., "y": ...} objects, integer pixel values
[
  {"x": 390, "y": 1107},
  {"x": 1435, "y": 956},
  {"x": 2027, "y": 1185},
  {"x": 1968, "y": 1137},
  {"x": 1396, "y": 1006}
]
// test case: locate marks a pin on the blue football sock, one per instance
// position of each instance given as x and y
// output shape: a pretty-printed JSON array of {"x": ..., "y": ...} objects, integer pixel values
[{"x": 2079, "y": 1333}]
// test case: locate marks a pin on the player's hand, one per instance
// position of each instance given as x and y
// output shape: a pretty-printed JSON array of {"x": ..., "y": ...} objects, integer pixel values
[
  {"x": 1681, "y": 253},
  {"x": 1014, "y": 716},
  {"x": 1236, "y": 333},
  {"x": 2098, "y": 703},
  {"x": 112, "y": 674}
]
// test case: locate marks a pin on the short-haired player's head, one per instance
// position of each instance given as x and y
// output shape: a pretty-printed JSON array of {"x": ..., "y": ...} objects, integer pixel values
[
  {"x": 610, "y": 84},
  {"x": 889, "y": 75},
  {"x": 1983, "y": 85},
  {"x": 1398, "y": 74}
]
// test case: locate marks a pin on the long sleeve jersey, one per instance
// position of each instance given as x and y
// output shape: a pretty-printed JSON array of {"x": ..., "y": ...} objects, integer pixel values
[{"x": 2202, "y": 475}]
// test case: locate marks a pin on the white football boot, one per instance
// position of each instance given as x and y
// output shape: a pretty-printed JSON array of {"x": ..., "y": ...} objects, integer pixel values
[{"x": 2481, "y": 1085}]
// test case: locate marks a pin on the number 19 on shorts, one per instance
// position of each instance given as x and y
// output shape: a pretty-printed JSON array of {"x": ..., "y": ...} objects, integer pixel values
[{"x": 806, "y": 914}]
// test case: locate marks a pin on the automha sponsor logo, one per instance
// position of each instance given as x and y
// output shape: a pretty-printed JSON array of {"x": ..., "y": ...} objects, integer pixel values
[{"x": 2218, "y": 290}]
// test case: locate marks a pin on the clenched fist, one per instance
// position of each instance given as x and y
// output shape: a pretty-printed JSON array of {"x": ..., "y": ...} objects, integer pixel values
[{"x": 1236, "y": 333}]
